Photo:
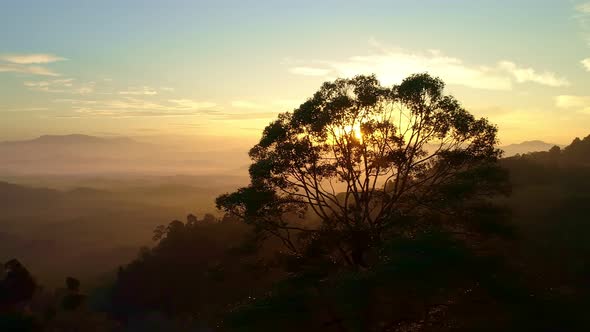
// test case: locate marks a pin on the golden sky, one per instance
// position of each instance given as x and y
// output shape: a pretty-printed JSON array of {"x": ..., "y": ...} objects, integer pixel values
[{"x": 150, "y": 68}]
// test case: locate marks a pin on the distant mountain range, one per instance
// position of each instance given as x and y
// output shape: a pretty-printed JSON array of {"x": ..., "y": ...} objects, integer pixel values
[
  {"x": 71, "y": 154},
  {"x": 78, "y": 154},
  {"x": 527, "y": 147},
  {"x": 71, "y": 140}
]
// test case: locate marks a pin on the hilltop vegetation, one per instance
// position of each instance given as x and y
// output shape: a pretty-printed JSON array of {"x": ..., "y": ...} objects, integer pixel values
[{"x": 88, "y": 231}]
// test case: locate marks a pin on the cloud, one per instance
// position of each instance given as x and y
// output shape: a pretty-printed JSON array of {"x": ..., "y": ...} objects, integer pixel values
[
  {"x": 278, "y": 104},
  {"x": 586, "y": 63},
  {"x": 87, "y": 88},
  {"x": 309, "y": 71},
  {"x": 66, "y": 85},
  {"x": 38, "y": 70},
  {"x": 392, "y": 65},
  {"x": 523, "y": 75},
  {"x": 583, "y": 19},
  {"x": 189, "y": 104},
  {"x": 28, "y": 59},
  {"x": 146, "y": 90},
  {"x": 127, "y": 114},
  {"x": 41, "y": 84},
  {"x": 581, "y": 103},
  {"x": 583, "y": 8},
  {"x": 188, "y": 125},
  {"x": 28, "y": 63},
  {"x": 134, "y": 107},
  {"x": 287, "y": 104},
  {"x": 27, "y": 109},
  {"x": 130, "y": 107},
  {"x": 247, "y": 104},
  {"x": 33, "y": 70},
  {"x": 246, "y": 116}
]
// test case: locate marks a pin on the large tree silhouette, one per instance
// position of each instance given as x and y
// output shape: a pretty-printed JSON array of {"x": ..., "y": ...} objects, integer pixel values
[{"x": 364, "y": 158}]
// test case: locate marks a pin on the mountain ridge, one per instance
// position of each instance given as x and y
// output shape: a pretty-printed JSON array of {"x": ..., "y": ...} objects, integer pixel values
[
  {"x": 527, "y": 147},
  {"x": 73, "y": 139}
]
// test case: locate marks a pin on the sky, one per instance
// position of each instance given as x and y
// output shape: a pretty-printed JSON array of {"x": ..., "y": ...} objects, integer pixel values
[{"x": 227, "y": 68}]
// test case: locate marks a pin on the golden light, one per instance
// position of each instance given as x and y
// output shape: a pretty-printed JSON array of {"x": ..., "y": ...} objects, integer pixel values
[
  {"x": 347, "y": 132},
  {"x": 354, "y": 131}
]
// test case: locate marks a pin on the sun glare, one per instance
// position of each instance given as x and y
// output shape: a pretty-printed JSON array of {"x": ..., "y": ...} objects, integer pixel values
[{"x": 350, "y": 131}]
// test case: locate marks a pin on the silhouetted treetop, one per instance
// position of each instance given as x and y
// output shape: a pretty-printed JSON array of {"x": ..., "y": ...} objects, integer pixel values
[
  {"x": 360, "y": 155},
  {"x": 18, "y": 286},
  {"x": 73, "y": 299},
  {"x": 575, "y": 154}
]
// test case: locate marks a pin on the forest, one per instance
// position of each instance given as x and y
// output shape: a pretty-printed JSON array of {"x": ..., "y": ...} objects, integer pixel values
[{"x": 368, "y": 208}]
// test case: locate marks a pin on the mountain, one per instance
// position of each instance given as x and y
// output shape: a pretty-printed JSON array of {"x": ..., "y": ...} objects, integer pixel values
[
  {"x": 88, "y": 231},
  {"x": 570, "y": 165},
  {"x": 73, "y": 139},
  {"x": 71, "y": 154},
  {"x": 578, "y": 152},
  {"x": 78, "y": 154},
  {"x": 526, "y": 147},
  {"x": 13, "y": 197}
]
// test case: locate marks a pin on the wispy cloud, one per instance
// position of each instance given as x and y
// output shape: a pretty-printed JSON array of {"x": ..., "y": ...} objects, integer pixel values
[
  {"x": 310, "y": 71},
  {"x": 583, "y": 18},
  {"x": 189, "y": 104},
  {"x": 394, "y": 64},
  {"x": 259, "y": 109},
  {"x": 145, "y": 90},
  {"x": 26, "y": 109},
  {"x": 527, "y": 74},
  {"x": 133, "y": 107},
  {"x": 129, "y": 107},
  {"x": 248, "y": 116},
  {"x": 28, "y": 63},
  {"x": 96, "y": 113},
  {"x": 583, "y": 8},
  {"x": 245, "y": 104},
  {"x": 33, "y": 70},
  {"x": 67, "y": 85},
  {"x": 287, "y": 104},
  {"x": 42, "y": 84},
  {"x": 28, "y": 59},
  {"x": 586, "y": 63},
  {"x": 580, "y": 103}
]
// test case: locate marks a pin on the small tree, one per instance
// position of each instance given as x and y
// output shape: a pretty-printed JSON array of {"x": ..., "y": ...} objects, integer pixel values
[{"x": 363, "y": 158}]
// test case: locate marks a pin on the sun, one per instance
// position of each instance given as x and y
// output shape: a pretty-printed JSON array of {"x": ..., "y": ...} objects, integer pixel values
[
  {"x": 349, "y": 131},
  {"x": 354, "y": 130}
]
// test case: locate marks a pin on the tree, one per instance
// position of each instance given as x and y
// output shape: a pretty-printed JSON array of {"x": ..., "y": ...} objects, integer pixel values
[
  {"x": 72, "y": 300},
  {"x": 17, "y": 287},
  {"x": 363, "y": 158},
  {"x": 16, "y": 292},
  {"x": 194, "y": 270}
]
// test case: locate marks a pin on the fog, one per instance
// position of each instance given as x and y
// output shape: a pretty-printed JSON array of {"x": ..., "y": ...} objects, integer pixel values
[
  {"x": 86, "y": 204},
  {"x": 119, "y": 212},
  {"x": 89, "y": 155}
]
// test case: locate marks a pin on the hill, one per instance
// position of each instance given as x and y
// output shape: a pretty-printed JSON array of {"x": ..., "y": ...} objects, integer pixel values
[
  {"x": 550, "y": 210},
  {"x": 526, "y": 147},
  {"x": 89, "y": 230}
]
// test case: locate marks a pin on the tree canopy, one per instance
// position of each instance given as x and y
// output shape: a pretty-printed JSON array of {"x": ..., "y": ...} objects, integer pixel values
[{"x": 363, "y": 158}]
